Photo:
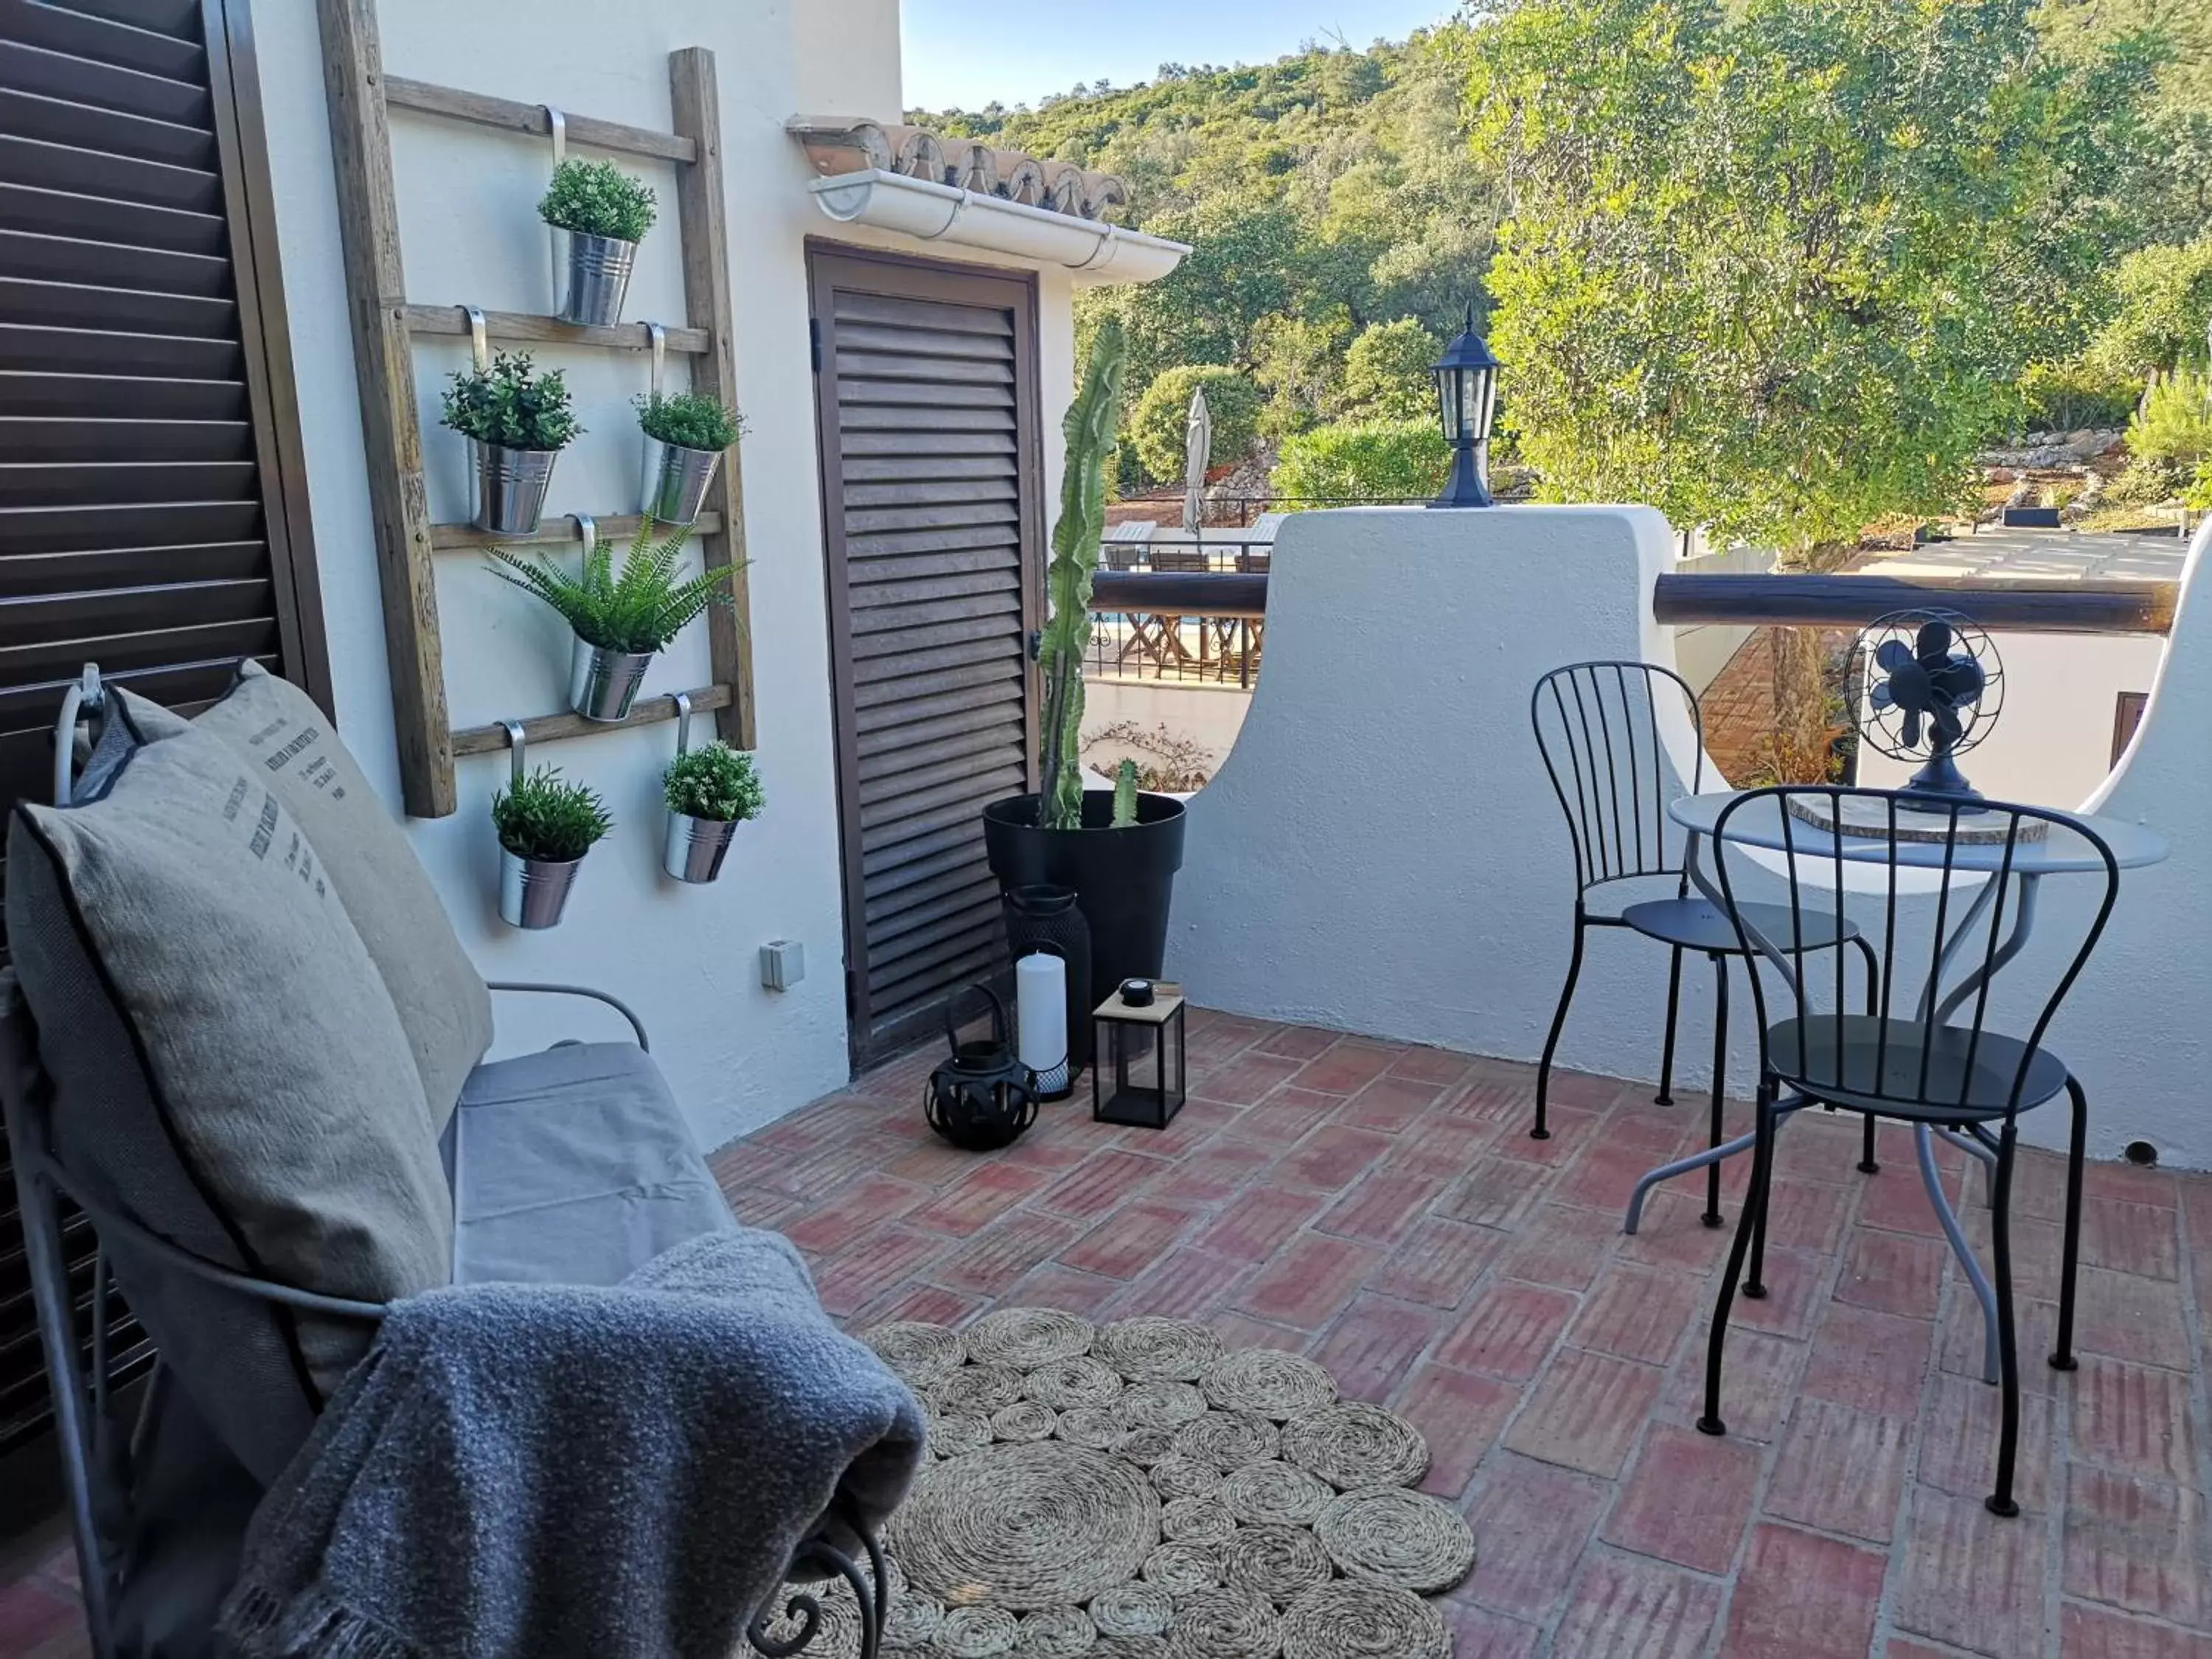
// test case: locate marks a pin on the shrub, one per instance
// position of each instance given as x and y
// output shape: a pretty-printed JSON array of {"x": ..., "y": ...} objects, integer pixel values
[
  {"x": 640, "y": 610},
  {"x": 716, "y": 782},
  {"x": 1372, "y": 458},
  {"x": 1385, "y": 372},
  {"x": 2144, "y": 483},
  {"x": 2068, "y": 397},
  {"x": 597, "y": 198},
  {"x": 1157, "y": 424},
  {"x": 689, "y": 420},
  {"x": 511, "y": 405},
  {"x": 2197, "y": 495},
  {"x": 545, "y": 817},
  {"x": 2174, "y": 424}
]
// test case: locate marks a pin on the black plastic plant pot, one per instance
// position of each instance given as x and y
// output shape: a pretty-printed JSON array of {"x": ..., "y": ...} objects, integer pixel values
[{"x": 1124, "y": 879}]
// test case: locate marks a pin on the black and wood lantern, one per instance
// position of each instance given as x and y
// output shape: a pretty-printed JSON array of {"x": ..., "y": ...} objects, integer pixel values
[
  {"x": 1137, "y": 1073},
  {"x": 1466, "y": 397},
  {"x": 981, "y": 1098}
]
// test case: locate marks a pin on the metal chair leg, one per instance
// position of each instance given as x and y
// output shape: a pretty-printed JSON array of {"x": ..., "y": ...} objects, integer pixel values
[
  {"x": 2061, "y": 1358},
  {"x": 1713, "y": 1215},
  {"x": 1867, "y": 1164},
  {"x": 1666, "y": 1095},
  {"x": 1754, "y": 1202},
  {"x": 1543, "y": 1130},
  {"x": 2002, "y": 1502}
]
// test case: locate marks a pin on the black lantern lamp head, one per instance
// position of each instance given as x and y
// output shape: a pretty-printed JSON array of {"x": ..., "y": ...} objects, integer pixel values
[
  {"x": 1467, "y": 395},
  {"x": 981, "y": 1098}
]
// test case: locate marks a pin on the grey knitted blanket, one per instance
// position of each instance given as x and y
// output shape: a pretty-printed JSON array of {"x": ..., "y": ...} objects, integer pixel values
[{"x": 549, "y": 1471}]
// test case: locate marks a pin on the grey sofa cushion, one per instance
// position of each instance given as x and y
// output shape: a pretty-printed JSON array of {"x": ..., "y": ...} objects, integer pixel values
[
  {"x": 575, "y": 1167},
  {"x": 440, "y": 997},
  {"x": 283, "y": 1081}
]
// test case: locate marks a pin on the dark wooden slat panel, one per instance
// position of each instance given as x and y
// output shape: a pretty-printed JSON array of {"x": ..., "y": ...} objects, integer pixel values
[
  {"x": 889, "y": 834},
  {"x": 1005, "y": 631},
  {"x": 862, "y": 369},
  {"x": 924, "y": 868},
  {"x": 909, "y": 394},
  {"x": 973, "y": 789},
  {"x": 127, "y": 224},
  {"x": 899, "y": 949},
  {"x": 894, "y": 618},
  {"x": 927, "y": 586},
  {"x": 113, "y": 178},
  {"x": 981, "y": 665},
  {"x": 931, "y": 969},
  {"x": 96, "y": 263},
  {"x": 81, "y": 79},
  {"x": 1852, "y": 601},
  {"x": 902, "y": 314},
  {"x": 136, "y": 310},
  {"x": 861, "y": 546},
  {"x": 151, "y": 649},
  {"x": 27, "y": 621},
  {"x": 892, "y": 675},
  {"x": 884, "y": 417},
  {"x": 998, "y": 734},
  {"x": 58, "y": 121},
  {"x": 923, "y": 469},
  {"x": 920, "y": 911},
  {"x": 22, "y": 573},
  {"x": 34, "y": 707},
  {"x": 52, "y": 529},
  {"x": 104, "y": 39},
  {"x": 913, "y": 1015},
  {"x": 899, "y": 726},
  {"x": 179, "y": 17},
  {"x": 886, "y": 861},
  {"x": 116, "y": 397},
  {"x": 43, "y": 484},
  {"x": 50, "y": 439},
  {"x": 909, "y": 442},
  {"x": 869, "y": 576},
  {"x": 912, "y": 340},
  {"x": 961, "y": 876},
  {"x": 868, "y": 519},
  {"x": 103, "y": 351},
  {"x": 952, "y": 493}
]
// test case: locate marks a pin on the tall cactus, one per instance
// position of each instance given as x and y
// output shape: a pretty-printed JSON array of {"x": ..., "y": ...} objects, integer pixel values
[
  {"x": 1089, "y": 427},
  {"x": 1125, "y": 794}
]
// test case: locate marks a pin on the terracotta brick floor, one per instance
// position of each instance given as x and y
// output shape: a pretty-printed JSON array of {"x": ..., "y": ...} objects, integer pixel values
[{"x": 1382, "y": 1208}]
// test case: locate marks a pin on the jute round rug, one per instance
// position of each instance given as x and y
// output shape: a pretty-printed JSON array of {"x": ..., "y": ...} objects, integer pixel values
[{"x": 1132, "y": 1491}]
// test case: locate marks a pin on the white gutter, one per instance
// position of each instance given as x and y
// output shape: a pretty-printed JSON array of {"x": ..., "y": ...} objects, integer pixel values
[{"x": 934, "y": 212}]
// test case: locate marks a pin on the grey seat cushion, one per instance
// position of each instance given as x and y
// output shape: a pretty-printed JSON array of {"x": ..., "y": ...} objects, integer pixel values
[
  {"x": 574, "y": 1167},
  {"x": 440, "y": 997},
  {"x": 282, "y": 1084}
]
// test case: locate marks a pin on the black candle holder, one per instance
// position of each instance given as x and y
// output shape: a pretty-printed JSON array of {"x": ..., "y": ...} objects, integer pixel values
[{"x": 1139, "y": 1071}]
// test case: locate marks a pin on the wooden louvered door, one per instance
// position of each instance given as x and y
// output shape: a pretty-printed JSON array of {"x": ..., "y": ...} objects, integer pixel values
[
  {"x": 153, "y": 515},
  {"x": 927, "y": 389}
]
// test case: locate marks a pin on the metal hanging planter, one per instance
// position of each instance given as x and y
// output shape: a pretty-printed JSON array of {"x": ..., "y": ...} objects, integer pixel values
[
  {"x": 532, "y": 892},
  {"x": 694, "y": 847},
  {"x": 598, "y": 279},
  {"x": 510, "y": 486},
  {"x": 982, "y": 1097},
  {"x": 673, "y": 480}
]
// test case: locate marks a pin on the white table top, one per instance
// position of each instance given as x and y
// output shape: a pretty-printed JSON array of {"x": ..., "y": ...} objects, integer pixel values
[{"x": 1760, "y": 825}]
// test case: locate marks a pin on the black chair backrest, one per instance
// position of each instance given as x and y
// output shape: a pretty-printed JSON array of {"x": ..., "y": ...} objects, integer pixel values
[
  {"x": 1598, "y": 727},
  {"x": 1970, "y": 897}
]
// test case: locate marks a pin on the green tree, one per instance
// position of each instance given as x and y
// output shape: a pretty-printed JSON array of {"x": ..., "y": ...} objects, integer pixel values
[
  {"x": 2174, "y": 429},
  {"x": 2164, "y": 307},
  {"x": 1379, "y": 459},
  {"x": 1386, "y": 373},
  {"x": 1158, "y": 423},
  {"x": 1299, "y": 359}
]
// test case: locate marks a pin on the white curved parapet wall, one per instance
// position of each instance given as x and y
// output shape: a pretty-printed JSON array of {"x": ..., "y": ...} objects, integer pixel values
[{"x": 1381, "y": 852}]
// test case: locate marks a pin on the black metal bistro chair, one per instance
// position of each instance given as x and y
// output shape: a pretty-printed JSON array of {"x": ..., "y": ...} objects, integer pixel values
[
  {"x": 1965, "y": 1081},
  {"x": 1597, "y": 725}
]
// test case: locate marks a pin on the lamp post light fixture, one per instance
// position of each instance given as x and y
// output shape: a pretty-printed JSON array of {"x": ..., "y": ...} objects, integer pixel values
[{"x": 1466, "y": 393}]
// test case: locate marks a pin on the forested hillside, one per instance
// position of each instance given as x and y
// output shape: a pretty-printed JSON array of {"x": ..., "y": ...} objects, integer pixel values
[{"x": 1345, "y": 206}]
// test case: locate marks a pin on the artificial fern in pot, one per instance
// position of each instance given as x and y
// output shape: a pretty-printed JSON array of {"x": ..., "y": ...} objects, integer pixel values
[{"x": 621, "y": 620}]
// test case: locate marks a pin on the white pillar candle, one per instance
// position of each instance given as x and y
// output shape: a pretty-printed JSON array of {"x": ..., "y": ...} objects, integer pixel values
[{"x": 1041, "y": 1016}]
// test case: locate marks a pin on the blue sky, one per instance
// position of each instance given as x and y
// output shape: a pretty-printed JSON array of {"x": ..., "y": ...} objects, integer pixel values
[{"x": 960, "y": 54}]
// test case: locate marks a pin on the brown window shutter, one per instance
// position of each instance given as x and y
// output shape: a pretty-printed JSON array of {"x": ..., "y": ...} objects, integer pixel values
[{"x": 153, "y": 514}]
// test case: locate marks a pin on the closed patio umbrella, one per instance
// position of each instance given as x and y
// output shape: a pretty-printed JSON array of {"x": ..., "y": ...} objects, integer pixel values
[{"x": 1197, "y": 446}]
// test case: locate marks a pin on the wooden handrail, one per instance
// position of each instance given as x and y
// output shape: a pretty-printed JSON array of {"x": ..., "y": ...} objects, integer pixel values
[
  {"x": 1852, "y": 601},
  {"x": 1181, "y": 592}
]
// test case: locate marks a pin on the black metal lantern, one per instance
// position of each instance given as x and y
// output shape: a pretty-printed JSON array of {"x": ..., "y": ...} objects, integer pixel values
[
  {"x": 1467, "y": 395},
  {"x": 982, "y": 1097},
  {"x": 1137, "y": 1074}
]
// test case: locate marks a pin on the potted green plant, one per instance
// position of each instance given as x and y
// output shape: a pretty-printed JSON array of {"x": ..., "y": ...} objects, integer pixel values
[
  {"x": 710, "y": 792},
  {"x": 546, "y": 824},
  {"x": 622, "y": 620},
  {"x": 606, "y": 214},
  {"x": 692, "y": 429},
  {"x": 1117, "y": 848},
  {"x": 517, "y": 422}
]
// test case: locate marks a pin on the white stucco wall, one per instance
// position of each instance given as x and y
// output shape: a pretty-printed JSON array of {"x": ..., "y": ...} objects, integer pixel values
[
  {"x": 1384, "y": 854},
  {"x": 735, "y": 1055}
]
